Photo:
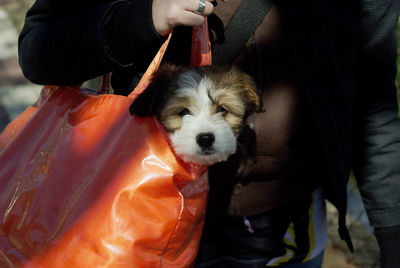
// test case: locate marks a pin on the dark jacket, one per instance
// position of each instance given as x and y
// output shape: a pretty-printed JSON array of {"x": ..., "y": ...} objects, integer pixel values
[{"x": 343, "y": 51}]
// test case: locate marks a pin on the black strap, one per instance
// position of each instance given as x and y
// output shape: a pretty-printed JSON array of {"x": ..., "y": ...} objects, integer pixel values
[
  {"x": 344, "y": 232},
  {"x": 242, "y": 26}
]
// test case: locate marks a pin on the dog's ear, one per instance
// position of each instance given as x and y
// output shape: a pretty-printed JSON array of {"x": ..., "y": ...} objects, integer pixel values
[
  {"x": 149, "y": 101},
  {"x": 253, "y": 99}
]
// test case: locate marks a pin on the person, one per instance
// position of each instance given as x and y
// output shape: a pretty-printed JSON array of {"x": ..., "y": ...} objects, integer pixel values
[{"x": 325, "y": 70}]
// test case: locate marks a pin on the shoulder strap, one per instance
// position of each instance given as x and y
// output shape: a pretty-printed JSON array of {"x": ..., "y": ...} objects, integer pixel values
[{"x": 242, "y": 26}]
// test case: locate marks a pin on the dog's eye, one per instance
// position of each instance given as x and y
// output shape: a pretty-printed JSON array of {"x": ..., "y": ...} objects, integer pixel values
[
  {"x": 184, "y": 112},
  {"x": 221, "y": 109}
]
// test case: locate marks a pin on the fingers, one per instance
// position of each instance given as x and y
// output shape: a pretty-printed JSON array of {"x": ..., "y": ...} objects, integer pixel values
[
  {"x": 194, "y": 15},
  {"x": 168, "y": 14},
  {"x": 191, "y": 19},
  {"x": 194, "y": 5}
]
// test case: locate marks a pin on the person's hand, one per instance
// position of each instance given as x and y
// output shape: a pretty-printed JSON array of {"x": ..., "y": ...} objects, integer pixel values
[{"x": 168, "y": 14}]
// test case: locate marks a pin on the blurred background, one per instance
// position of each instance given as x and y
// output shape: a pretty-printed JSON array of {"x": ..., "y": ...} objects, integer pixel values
[{"x": 16, "y": 93}]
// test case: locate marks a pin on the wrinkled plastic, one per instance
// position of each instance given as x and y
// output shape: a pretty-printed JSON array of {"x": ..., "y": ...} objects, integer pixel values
[{"x": 85, "y": 184}]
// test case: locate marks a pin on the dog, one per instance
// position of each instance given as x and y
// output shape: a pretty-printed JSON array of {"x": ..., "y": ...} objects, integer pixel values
[{"x": 203, "y": 109}]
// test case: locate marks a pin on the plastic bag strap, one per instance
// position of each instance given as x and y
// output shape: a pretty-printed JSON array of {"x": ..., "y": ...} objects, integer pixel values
[
  {"x": 200, "y": 55},
  {"x": 201, "y": 46},
  {"x": 105, "y": 84},
  {"x": 144, "y": 82}
]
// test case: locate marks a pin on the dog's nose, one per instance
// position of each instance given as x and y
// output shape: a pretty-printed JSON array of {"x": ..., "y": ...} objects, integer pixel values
[{"x": 205, "y": 140}]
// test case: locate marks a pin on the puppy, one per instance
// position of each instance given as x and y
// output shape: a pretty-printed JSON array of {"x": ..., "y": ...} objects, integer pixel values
[{"x": 203, "y": 109}]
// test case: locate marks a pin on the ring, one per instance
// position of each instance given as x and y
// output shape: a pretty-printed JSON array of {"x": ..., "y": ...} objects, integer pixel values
[{"x": 202, "y": 6}]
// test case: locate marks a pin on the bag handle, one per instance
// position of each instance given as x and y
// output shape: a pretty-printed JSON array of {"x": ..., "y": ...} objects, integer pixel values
[
  {"x": 145, "y": 80},
  {"x": 201, "y": 46},
  {"x": 200, "y": 55}
]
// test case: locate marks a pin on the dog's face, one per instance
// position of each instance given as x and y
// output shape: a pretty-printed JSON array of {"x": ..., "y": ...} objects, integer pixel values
[{"x": 203, "y": 109}]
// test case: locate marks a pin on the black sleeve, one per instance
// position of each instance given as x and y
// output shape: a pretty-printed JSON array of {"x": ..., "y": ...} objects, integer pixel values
[
  {"x": 67, "y": 42},
  {"x": 376, "y": 121}
]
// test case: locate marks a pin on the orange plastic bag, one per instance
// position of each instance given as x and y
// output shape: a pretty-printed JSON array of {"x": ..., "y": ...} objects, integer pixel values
[{"x": 85, "y": 184}]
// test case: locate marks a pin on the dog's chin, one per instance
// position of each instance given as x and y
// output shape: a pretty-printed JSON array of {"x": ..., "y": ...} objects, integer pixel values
[{"x": 206, "y": 158}]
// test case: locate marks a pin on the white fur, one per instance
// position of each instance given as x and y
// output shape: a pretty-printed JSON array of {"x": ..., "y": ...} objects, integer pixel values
[{"x": 201, "y": 120}]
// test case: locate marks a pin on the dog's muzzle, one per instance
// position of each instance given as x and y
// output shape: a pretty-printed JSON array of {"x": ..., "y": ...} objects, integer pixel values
[{"x": 205, "y": 141}]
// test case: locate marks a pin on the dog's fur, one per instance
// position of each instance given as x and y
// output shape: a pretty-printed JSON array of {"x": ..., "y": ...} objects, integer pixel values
[{"x": 203, "y": 109}]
